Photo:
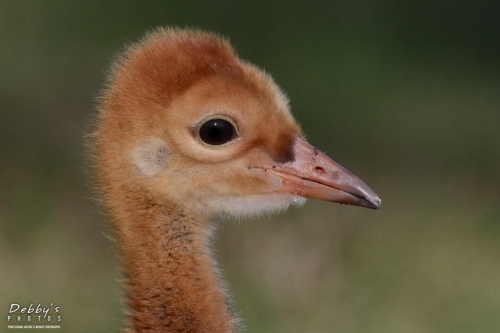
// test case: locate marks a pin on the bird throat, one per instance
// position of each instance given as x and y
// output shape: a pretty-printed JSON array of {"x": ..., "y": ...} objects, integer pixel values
[{"x": 170, "y": 276}]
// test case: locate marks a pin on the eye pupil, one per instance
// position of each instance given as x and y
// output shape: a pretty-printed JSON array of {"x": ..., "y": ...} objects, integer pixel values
[{"x": 217, "y": 132}]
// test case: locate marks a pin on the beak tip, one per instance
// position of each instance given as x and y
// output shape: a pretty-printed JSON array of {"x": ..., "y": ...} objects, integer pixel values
[
  {"x": 368, "y": 201},
  {"x": 366, "y": 197},
  {"x": 373, "y": 202}
]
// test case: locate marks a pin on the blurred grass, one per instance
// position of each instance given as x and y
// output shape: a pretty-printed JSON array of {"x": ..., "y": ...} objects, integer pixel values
[{"x": 406, "y": 95}]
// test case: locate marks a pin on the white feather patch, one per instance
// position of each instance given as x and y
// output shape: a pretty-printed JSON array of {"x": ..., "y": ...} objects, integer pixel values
[
  {"x": 151, "y": 156},
  {"x": 254, "y": 205}
]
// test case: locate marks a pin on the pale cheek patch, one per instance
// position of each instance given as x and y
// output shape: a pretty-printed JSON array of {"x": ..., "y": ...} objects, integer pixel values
[{"x": 151, "y": 156}]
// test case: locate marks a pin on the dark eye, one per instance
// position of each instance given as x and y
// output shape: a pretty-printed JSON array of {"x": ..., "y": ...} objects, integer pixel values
[{"x": 217, "y": 132}]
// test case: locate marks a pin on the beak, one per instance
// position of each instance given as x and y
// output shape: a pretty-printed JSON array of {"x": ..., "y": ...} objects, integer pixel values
[{"x": 314, "y": 175}]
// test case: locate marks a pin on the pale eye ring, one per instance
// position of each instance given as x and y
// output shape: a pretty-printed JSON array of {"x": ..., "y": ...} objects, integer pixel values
[{"x": 216, "y": 131}]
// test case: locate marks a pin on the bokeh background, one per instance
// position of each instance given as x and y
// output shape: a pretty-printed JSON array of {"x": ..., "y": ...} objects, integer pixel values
[{"x": 406, "y": 94}]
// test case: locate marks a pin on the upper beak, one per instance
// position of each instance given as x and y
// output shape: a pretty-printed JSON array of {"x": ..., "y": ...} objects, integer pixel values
[{"x": 314, "y": 175}]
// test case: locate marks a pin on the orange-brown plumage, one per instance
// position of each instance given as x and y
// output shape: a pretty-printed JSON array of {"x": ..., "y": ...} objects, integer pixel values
[{"x": 163, "y": 182}]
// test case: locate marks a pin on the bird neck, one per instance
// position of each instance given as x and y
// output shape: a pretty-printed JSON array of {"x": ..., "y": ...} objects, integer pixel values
[{"x": 169, "y": 274}]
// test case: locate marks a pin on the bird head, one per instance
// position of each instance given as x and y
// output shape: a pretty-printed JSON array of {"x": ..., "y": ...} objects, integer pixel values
[{"x": 185, "y": 121}]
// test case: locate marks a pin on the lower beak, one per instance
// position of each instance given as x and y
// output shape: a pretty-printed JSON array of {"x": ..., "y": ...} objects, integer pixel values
[{"x": 314, "y": 175}]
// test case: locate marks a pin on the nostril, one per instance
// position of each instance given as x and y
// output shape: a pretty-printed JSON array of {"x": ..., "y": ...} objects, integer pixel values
[{"x": 319, "y": 169}]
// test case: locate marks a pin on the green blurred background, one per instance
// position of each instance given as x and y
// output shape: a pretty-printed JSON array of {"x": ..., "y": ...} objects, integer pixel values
[{"x": 405, "y": 94}]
